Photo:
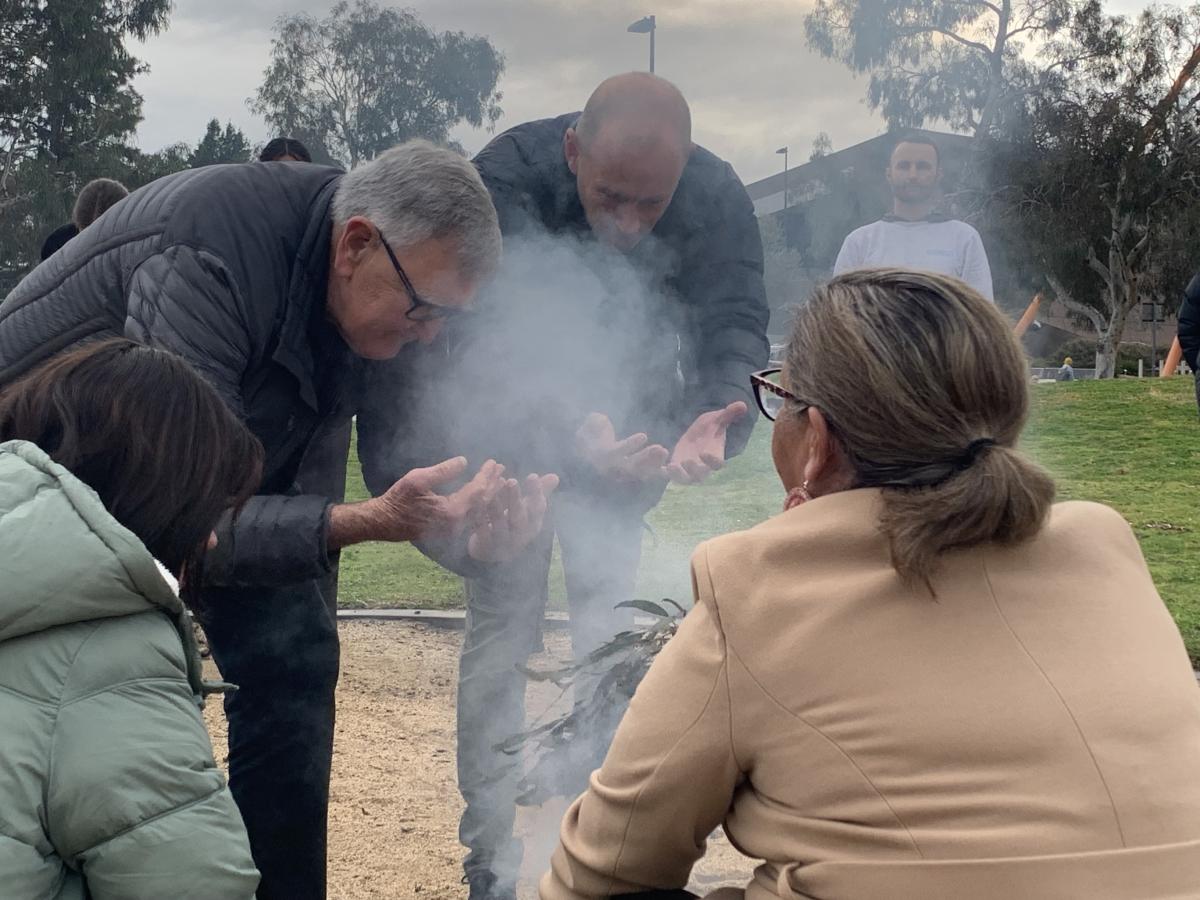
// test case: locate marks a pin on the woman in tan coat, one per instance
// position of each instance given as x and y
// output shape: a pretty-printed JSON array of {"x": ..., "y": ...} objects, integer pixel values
[{"x": 923, "y": 679}]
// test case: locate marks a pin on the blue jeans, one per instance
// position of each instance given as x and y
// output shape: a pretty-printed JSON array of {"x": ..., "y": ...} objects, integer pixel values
[{"x": 601, "y": 546}]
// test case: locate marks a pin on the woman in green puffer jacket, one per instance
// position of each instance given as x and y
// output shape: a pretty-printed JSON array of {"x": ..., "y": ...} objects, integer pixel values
[{"x": 112, "y": 456}]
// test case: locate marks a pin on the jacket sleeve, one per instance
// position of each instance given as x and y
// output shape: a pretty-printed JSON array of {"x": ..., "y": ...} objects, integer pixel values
[
  {"x": 276, "y": 539},
  {"x": 725, "y": 285},
  {"x": 135, "y": 801},
  {"x": 976, "y": 271},
  {"x": 184, "y": 300},
  {"x": 1189, "y": 323},
  {"x": 667, "y": 782}
]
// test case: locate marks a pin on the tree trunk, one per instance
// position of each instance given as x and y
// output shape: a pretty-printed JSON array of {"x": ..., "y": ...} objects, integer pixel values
[
  {"x": 996, "y": 83},
  {"x": 1124, "y": 296},
  {"x": 1106, "y": 354}
]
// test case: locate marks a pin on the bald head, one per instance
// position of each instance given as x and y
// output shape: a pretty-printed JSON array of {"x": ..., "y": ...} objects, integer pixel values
[
  {"x": 628, "y": 151},
  {"x": 636, "y": 106}
]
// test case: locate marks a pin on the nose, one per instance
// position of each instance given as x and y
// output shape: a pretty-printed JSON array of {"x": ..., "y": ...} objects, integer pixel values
[
  {"x": 428, "y": 331},
  {"x": 628, "y": 222}
]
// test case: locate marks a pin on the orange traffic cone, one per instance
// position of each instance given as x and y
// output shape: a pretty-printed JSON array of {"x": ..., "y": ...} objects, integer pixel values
[
  {"x": 1028, "y": 316},
  {"x": 1173, "y": 356}
]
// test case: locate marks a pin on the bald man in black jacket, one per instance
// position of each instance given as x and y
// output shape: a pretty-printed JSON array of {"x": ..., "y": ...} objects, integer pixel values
[{"x": 619, "y": 358}]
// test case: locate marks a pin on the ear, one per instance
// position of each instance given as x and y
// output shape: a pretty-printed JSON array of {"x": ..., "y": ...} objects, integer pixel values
[
  {"x": 821, "y": 453},
  {"x": 352, "y": 244},
  {"x": 571, "y": 150}
]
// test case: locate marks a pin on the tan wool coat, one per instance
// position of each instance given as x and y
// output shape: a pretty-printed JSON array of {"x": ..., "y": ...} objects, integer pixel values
[{"x": 1031, "y": 731}]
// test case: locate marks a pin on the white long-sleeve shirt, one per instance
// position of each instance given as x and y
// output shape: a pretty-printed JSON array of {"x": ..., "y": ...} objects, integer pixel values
[{"x": 947, "y": 246}]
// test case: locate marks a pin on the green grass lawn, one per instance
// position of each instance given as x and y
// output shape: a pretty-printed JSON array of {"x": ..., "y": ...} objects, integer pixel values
[{"x": 1134, "y": 445}]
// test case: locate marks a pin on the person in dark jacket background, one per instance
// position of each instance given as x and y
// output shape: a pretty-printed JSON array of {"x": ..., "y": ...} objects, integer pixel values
[
  {"x": 96, "y": 198},
  {"x": 284, "y": 149},
  {"x": 57, "y": 239},
  {"x": 628, "y": 316},
  {"x": 1189, "y": 329},
  {"x": 274, "y": 282}
]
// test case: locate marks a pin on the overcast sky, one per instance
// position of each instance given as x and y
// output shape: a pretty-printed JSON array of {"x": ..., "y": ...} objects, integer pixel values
[{"x": 753, "y": 84}]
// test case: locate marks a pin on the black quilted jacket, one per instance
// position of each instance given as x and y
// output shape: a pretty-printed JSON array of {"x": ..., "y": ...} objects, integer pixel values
[{"x": 228, "y": 267}]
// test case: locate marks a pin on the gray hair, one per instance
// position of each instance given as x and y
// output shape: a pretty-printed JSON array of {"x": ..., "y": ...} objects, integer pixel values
[{"x": 417, "y": 192}]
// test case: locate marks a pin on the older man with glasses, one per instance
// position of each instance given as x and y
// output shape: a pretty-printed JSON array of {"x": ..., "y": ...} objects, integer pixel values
[{"x": 275, "y": 282}]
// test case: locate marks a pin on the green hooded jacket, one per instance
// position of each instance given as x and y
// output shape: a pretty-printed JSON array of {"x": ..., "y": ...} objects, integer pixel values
[{"x": 108, "y": 788}]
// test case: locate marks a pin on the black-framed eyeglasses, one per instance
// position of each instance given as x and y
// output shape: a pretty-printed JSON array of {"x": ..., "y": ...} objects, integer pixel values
[
  {"x": 771, "y": 395},
  {"x": 421, "y": 310}
]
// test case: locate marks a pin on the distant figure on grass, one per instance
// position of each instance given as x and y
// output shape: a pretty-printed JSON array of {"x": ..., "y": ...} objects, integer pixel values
[
  {"x": 283, "y": 149},
  {"x": 1067, "y": 372},
  {"x": 93, "y": 201},
  {"x": 277, "y": 284},
  {"x": 923, "y": 679},
  {"x": 113, "y": 456},
  {"x": 625, "y": 323},
  {"x": 915, "y": 235}
]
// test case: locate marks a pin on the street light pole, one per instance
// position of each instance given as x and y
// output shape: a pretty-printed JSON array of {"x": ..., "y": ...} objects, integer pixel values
[
  {"x": 784, "y": 151},
  {"x": 653, "y": 29},
  {"x": 1151, "y": 314},
  {"x": 647, "y": 25}
]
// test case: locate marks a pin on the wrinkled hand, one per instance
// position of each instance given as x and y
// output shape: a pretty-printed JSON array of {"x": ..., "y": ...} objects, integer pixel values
[
  {"x": 511, "y": 519},
  {"x": 701, "y": 450},
  {"x": 632, "y": 459},
  {"x": 412, "y": 510}
]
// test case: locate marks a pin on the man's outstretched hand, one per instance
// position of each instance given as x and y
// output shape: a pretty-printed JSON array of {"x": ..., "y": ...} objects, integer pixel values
[
  {"x": 412, "y": 509},
  {"x": 701, "y": 450},
  {"x": 631, "y": 459},
  {"x": 499, "y": 515},
  {"x": 511, "y": 519}
]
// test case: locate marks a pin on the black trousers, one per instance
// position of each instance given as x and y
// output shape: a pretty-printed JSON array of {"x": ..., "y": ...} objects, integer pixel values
[{"x": 280, "y": 647}]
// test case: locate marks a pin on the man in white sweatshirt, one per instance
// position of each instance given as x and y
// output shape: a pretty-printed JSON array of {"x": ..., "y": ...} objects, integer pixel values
[{"x": 914, "y": 236}]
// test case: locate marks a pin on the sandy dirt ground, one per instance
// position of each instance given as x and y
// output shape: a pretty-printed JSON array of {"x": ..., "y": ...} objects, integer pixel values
[{"x": 394, "y": 808}]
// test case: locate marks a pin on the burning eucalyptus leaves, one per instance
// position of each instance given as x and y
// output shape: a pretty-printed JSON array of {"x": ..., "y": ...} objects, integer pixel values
[{"x": 565, "y": 749}]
